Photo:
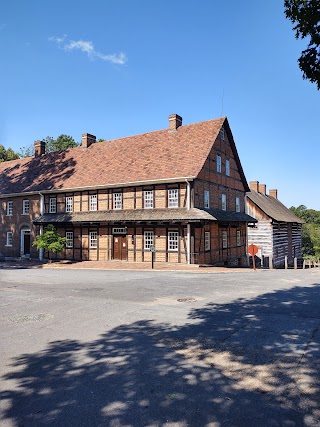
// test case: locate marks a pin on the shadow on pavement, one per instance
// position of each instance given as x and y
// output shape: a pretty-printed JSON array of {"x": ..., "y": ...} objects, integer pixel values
[{"x": 248, "y": 363}]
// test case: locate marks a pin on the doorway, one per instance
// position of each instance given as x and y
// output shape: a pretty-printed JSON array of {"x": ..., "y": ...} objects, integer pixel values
[
  {"x": 120, "y": 247},
  {"x": 25, "y": 248}
]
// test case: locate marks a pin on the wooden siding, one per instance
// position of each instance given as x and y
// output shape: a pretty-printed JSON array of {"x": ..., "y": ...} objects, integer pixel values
[
  {"x": 262, "y": 236},
  {"x": 281, "y": 244}
]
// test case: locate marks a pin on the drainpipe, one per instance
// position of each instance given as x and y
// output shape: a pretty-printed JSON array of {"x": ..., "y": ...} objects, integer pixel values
[
  {"x": 41, "y": 226},
  {"x": 188, "y": 225}
]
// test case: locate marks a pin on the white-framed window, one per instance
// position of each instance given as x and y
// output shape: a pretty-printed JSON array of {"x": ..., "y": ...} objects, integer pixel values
[
  {"x": 224, "y": 239},
  {"x": 206, "y": 199},
  {"x": 117, "y": 200},
  {"x": 218, "y": 163},
  {"x": 222, "y": 134},
  {"x": 148, "y": 199},
  {"x": 9, "y": 208},
  {"x": 93, "y": 239},
  {"x": 238, "y": 238},
  {"x": 173, "y": 241},
  {"x": 93, "y": 202},
  {"x": 228, "y": 167},
  {"x": 119, "y": 230},
  {"x": 237, "y": 204},
  {"x": 9, "y": 238},
  {"x": 69, "y": 204},
  {"x": 25, "y": 207},
  {"x": 69, "y": 241},
  {"x": 173, "y": 198},
  {"x": 52, "y": 205},
  {"x": 148, "y": 240},
  {"x": 223, "y": 202},
  {"x": 207, "y": 241}
]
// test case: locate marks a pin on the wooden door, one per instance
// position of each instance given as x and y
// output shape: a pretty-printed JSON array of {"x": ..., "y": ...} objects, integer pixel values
[{"x": 120, "y": 247}]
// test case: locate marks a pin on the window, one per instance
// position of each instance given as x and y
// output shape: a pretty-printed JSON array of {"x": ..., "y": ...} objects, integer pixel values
[
  {"x": 223, "y": 202},
  {"x": 117, "y": 200},
  {"x": 148, "y": 240},
  {"x": 9, "y": 238},
  {"x": 93, "y": 202},
  {"x": 207, "y": 241},
  {"x": 237, "y": 204},
  {"x": 69, "y": 204},
  {"x": 9, "y": 208},
  {"x": 224, "y": 239},
  {"x": 25, "y": 207},
  {"x": 228, "y": 167},
  {"x": 173, "y": 240},
  {"x": 219, "y": 164},
  {"x": 222, "y": 134},
  {"x": 173, "y": 198},
  {"x": 206, "y": 199},
  {"x": 52, "y": 205},
  {"x": 93, "y": 239},
  {"x": 119, "y": 230},
  {"x": 69, "y": 237},
  {"x": 238, "y": 238},
  {"x": 148, "y": 199}
]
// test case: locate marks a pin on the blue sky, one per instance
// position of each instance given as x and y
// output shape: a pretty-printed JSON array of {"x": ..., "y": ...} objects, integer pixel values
[{"x": 119, "y": 67}]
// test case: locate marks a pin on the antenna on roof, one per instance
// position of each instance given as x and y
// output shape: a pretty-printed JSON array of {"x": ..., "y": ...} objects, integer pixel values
[{"x": 222, "y": 99}]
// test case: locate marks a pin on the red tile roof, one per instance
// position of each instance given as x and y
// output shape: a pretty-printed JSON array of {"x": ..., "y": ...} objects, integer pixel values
[{"x": 153, "y": 156}]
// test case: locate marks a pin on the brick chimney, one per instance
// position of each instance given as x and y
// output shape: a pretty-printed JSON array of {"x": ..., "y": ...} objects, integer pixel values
[
  {"x": 175, "y": 121},
  {"x": 39, "y": 148},
  {"x": 254, "y": 186},
  {"x": 273, "y": 193},
  {"x": 87, "y": 140},
  {"x": 262, "y": 189}
]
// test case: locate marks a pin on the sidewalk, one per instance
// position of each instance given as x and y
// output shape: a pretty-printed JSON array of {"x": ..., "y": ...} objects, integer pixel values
[{"x": 119, "y": 265}]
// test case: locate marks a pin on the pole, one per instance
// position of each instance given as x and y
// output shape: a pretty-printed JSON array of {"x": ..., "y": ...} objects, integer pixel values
[
  {"x": 253, "y": 262},
  {"x": 152, "y": 259}
]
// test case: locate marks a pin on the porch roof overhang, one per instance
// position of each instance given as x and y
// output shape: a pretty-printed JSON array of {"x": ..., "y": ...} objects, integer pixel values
[{"x": 144, "y": 216}]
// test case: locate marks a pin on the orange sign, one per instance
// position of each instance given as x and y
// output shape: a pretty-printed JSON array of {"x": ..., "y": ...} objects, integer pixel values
[{"x": 253, "y": 250}]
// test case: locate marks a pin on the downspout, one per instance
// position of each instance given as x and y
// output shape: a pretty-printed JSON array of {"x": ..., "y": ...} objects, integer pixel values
[
  {"x": 41, "y": 226},
  {"x": 188, "y": 225}
]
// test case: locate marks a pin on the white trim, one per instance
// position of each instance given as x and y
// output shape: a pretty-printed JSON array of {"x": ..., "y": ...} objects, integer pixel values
[{"x": 188, "y": 243}]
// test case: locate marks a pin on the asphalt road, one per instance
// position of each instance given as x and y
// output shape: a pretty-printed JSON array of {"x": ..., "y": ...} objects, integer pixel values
[{"x": 174, "y": 349}]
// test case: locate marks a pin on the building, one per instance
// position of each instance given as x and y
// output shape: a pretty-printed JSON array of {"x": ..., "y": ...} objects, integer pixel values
[
  {"x": 278, "y": 230},
  {"x": 180, "y": 191}
]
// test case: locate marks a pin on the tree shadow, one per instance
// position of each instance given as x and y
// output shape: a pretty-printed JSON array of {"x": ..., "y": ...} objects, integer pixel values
[{"x": 252, "y": 362}]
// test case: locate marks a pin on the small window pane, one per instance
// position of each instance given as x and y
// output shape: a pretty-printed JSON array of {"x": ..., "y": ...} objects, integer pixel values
[
  {"x": 224, "y": 239},
  {"x": 219, "y": 164},
  {"x": 173, "y": 198},
  {"x": 93, "y": 203},
  {"x": 207, "y": 241},
  {"x": 9, "y": 208},
  {"x": 93, "y": 239},
  {"x": 148, "y": 239},
  {"x": 117, "y": 200},
  {"x": 238, "y": 238},
  {"x": 222, "y": 134},
  {"x": 173, "y": 240},
  {"x": 69, "y": 204},
  {"x": 206, "y": 199},
  {"x": 9, "y": 238},
  {"x": 69, "y": 237},
  {"x": 52, "y": 205},
  {"x": 224, "y": 202},
  {"x": 227, "y": 167},
  {"x": 237, "y": 204},
  {"x": 148, "y": 199},
  {"x": 25, "y": 207}
]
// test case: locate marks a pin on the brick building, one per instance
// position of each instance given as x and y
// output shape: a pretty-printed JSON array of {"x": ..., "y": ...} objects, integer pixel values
[
  {"x": 181, "y": 190},
  {"x": 278, "y": 230}
]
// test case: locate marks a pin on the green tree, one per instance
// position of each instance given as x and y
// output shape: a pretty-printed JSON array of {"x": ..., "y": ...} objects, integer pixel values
[
  {"x": 63, "y": 142},
  {"x": 305, "y": 15},
  {"x": 50, "y": 241},
  {"x": 310, "y": 230},
  {"x": 7, "y": 154}
]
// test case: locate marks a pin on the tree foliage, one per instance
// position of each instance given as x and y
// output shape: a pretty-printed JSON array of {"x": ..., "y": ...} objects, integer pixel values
[
  {"x": 7, "y": 154},
  {"x": 305, "y": 15},
  {"x": 50, "y": 240},
  {"x": 63, "y": 142},
  {"x": 310, "y": 230}
]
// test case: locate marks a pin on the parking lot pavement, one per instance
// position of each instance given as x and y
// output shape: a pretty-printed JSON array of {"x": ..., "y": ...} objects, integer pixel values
[{"x": 142, "y": 348}]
